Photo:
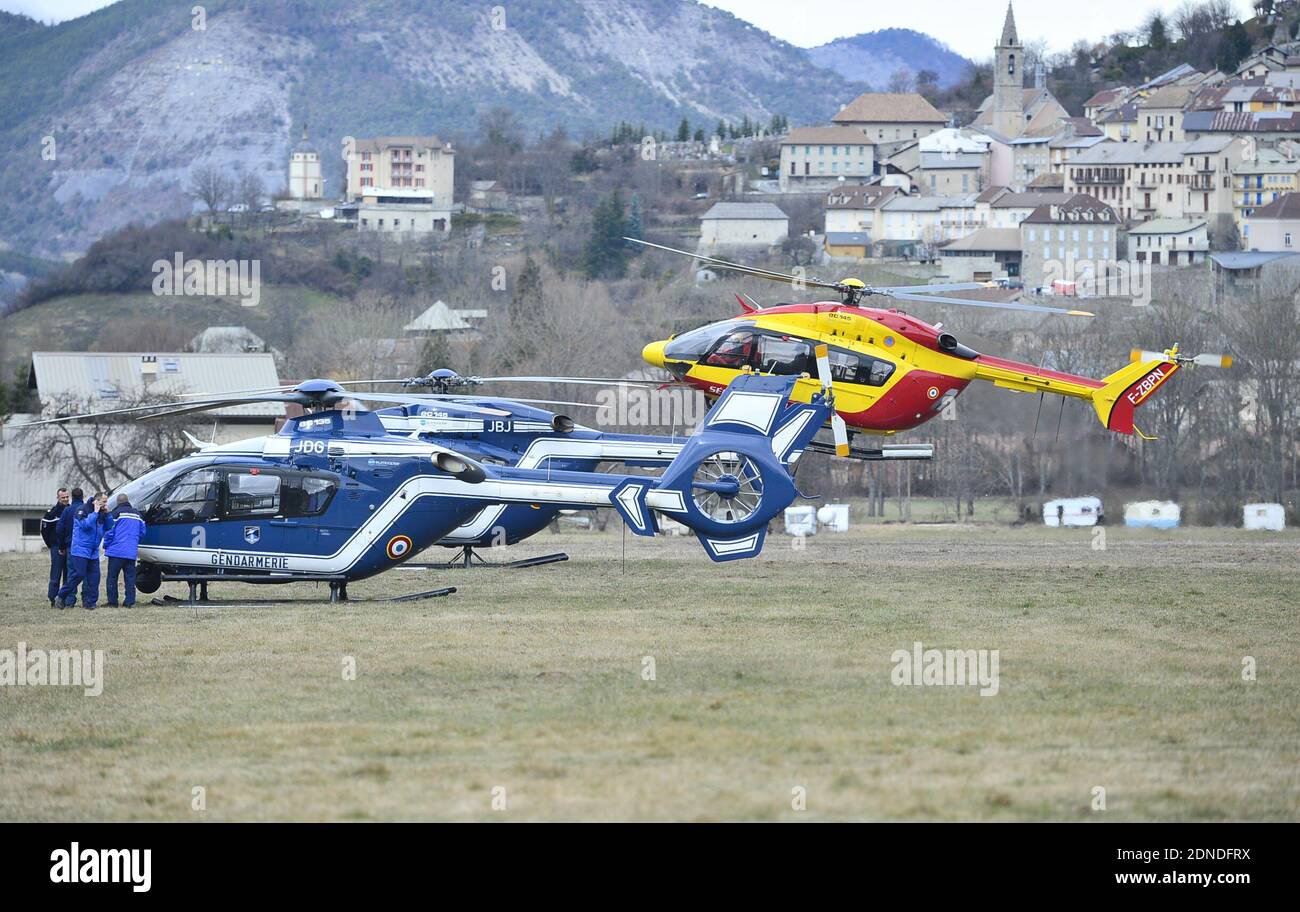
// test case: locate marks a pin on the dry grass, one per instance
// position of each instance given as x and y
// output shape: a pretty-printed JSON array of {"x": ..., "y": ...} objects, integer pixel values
[{"x": 1119, "y": 668}]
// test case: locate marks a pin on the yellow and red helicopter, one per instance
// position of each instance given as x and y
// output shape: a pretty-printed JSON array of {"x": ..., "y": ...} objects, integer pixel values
[{"x": 891, "y": 371}]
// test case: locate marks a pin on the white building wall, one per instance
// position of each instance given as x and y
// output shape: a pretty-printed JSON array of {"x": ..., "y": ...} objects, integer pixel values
[{"x": 743, "y": 232}]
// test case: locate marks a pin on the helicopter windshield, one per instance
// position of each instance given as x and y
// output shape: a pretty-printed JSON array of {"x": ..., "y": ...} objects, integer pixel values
[
  {"x": 143, "y": 492},
  {"x": 693, "y": 345}
]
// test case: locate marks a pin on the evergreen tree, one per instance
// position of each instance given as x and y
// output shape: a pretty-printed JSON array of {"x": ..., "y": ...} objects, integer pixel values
[
  {"x": 606, "y": 254},
  {"x": 1234, "y": 47},
  {"x": 699, "y": 135},
  {"x": 634, "y": 225},
  {"x": 684, "y": 131},
  {"x": 1157, "y": 33}
]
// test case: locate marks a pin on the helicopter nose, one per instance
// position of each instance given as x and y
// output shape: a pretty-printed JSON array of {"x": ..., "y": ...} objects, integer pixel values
[{"x": 654, "y": 353}]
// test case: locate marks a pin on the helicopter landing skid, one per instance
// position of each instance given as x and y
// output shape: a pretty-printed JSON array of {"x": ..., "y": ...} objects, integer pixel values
[
  {"x": 468, "y": 558},
  {"x": 198, "y": 594}
]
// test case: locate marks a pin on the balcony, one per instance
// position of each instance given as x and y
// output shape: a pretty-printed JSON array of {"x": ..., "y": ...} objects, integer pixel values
[{"x": 1098, "y": 177}]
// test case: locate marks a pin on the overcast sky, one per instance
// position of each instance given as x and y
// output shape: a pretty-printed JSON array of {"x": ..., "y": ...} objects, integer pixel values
[{"x": 968, "y": 26}]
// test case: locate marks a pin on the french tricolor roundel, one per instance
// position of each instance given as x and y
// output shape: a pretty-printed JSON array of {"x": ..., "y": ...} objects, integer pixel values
[
  {"x": 398, "y": 547},
  {"x": 933, "y": 392}
]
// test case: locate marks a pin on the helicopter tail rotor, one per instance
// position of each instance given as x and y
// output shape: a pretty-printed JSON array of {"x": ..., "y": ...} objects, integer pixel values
[{"x": 838, "y": 427}]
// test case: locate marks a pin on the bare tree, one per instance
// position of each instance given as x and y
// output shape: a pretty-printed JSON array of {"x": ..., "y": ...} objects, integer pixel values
[
  {"x": 901, "y": 80},
  {"x": 210, "y": 187},
  {"x": 250, "y": 193},
  {"x": 105, "y": 452}
]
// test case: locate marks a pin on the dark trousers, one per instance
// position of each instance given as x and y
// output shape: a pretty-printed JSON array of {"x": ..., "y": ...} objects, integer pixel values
[
  {"x": 84, "y": 572},
  {"x": 58, "y": 572},
  {"x": 126, "y": 567},
  {"x": 68, "y": 590}
]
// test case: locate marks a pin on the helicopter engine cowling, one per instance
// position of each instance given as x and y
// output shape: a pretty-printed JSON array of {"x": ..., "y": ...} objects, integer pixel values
[{"x": 460, "y": 467}]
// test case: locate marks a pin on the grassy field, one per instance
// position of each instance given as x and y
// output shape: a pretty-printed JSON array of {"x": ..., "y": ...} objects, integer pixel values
[{"x": 1119, "y": 669}]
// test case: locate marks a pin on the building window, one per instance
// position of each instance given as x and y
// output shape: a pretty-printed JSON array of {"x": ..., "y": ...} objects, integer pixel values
[{"x": 31, "y": 528}]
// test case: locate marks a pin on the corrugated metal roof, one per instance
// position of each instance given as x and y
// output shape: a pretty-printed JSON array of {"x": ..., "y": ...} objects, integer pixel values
[
  {"x": 21, "y": 488},
  {"x": 107, "y": 377}
]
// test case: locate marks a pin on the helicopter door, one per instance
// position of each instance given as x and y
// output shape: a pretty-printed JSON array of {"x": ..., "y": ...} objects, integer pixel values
[
  {"x": 785, "y": 356},
  {"x": 185, "y": 512},
  {"x": 253, "y": 510}
]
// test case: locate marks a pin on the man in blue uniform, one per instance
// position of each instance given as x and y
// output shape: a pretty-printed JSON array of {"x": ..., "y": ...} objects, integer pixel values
[
  {"x": 122, "y": 545},
  {"x": 66, "y": 597},
  {"x": 89, "y": 526},
  {"x": 50, "y": 535}
]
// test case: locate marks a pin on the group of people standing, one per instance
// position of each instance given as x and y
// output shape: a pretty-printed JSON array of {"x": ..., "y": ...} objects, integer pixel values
[{"x": 76, "y": 531}]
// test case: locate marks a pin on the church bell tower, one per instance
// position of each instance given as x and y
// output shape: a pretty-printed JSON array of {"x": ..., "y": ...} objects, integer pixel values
[{"x": 1008, "y": 81}]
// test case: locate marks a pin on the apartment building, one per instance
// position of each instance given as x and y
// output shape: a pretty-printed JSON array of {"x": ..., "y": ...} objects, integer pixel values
[
  {"x": 1262, "y": 178},
  {"x": 1170, "y": 242},
  {"x": 424, "y": 165},
  {"x": 1079, "y": 239},
  {"x": 1158, "y": 180},
  {"x": 817, "y": 157}
]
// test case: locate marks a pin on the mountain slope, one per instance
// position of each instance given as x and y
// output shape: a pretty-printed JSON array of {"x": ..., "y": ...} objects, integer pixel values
[
  {"x": 135, "y": 96},
  {"x": 873, "y": 57}
]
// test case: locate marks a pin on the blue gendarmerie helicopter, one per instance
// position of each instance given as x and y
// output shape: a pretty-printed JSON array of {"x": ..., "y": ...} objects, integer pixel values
[
  {"x": 335, "y": 496},
  {"x": 514, "y": 432}
]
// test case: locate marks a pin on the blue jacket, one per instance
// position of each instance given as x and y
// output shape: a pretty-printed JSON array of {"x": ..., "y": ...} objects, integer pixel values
[
  {"x": 123, "y": 538},
  {"x": 63, "y": 532},
  {"x": 88, "y": 531}
]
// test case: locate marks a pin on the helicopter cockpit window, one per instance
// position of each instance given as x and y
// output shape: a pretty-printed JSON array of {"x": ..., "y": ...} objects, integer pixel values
[
  {"x": 248, "y": 494},
  {"x": 193, "y": 497},
  {"x": 693, "y": 345},
  {"x": 145, "y": 491},
  {"x": 785, "y": 356},
  {"x": 735, "y": 351}
]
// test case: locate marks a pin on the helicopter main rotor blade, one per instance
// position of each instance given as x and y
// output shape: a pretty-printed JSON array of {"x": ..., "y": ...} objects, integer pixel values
[
  {"x": 927, "y": 289},
  {"x": 747, "y": 270},
  {"x": 415, "y": 399},
  {"x": 996, "y": 305},
  {"x": 207, "y": 406},
  {"x": 164, "y": 408},
  {"x": 577, "y": 381},
  {"x": 464, "y": 398}
]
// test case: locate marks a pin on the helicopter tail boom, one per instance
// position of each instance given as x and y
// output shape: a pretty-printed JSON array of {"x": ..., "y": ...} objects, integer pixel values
[{"x": 1114, "y": 397}]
